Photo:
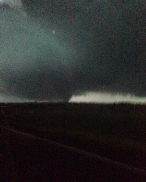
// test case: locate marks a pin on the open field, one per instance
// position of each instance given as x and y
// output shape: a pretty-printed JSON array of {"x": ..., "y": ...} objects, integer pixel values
[{"x": 114, "y": 130}]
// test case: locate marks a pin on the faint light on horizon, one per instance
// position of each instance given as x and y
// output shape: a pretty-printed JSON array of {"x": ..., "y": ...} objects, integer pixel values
[
  {"x": 97, "y": 97},
  {"x": 91, "y": 97}
]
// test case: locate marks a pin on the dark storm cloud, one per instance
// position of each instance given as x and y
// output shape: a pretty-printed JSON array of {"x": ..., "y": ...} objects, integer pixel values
[{"x": 60, "y": 49}]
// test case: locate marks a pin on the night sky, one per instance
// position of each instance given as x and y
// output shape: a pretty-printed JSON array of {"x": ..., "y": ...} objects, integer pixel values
[{"x": 63, "y": 50}]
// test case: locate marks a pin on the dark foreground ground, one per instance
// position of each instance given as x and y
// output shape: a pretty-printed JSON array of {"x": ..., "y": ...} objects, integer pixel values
[
  {"x": 116, "y": 132},
  {"x": 27, "y": 158}
]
